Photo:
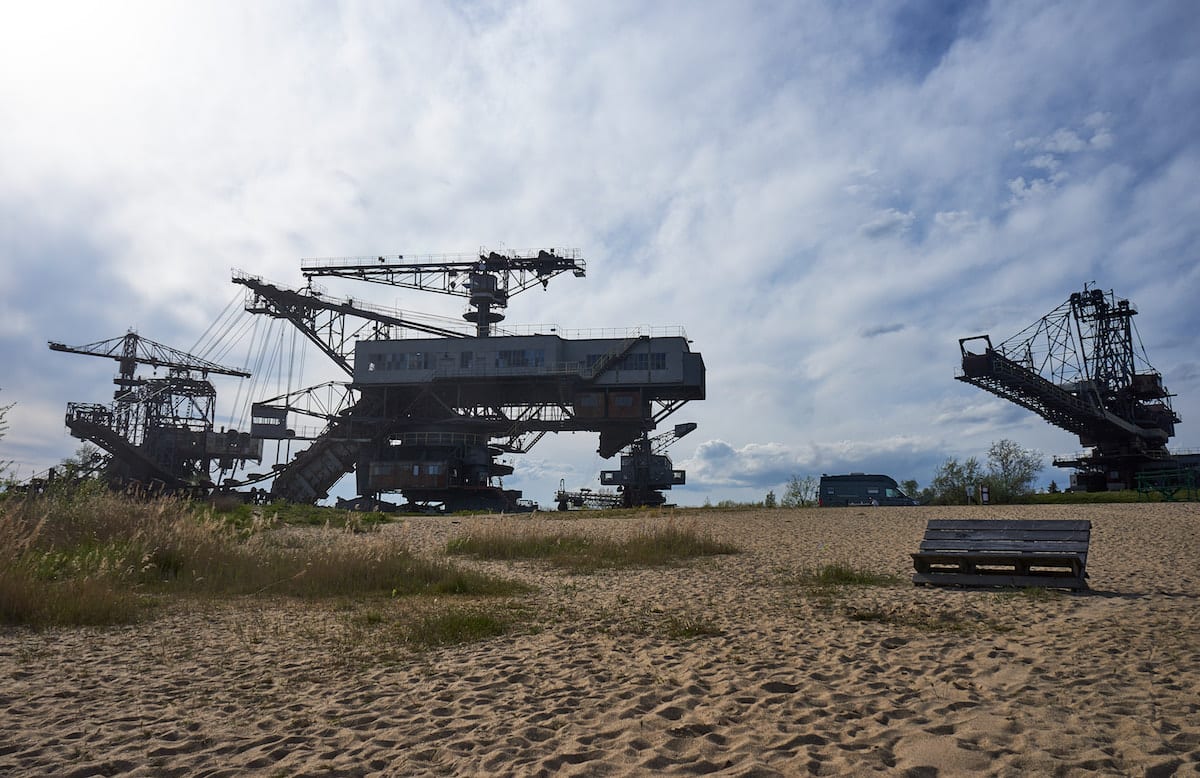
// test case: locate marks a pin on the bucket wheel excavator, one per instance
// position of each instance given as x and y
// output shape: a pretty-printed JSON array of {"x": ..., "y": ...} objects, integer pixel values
[{"x": 1083, "y": 368}]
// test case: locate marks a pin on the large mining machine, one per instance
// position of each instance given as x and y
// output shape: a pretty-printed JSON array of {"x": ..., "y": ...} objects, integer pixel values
[
  {"x": 432, "y": 409},
  {"x": 159, "y": 430},
  {"x": 1082, "y": 368}
]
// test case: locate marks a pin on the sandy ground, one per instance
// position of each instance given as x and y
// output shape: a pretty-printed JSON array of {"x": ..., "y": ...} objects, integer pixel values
[{"x": 891, "y": 680}]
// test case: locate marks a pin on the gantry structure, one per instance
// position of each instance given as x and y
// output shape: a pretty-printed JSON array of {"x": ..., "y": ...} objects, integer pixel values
[{"x": 159, "y": 430}]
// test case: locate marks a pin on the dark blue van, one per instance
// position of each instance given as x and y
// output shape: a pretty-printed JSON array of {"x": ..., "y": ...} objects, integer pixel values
[{"x": 860, "y": 489}]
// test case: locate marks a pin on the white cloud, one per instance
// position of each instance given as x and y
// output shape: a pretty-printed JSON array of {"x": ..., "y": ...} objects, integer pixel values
[
  {"x": 954, "y": 221},
  {"x": 1023, "y": 189},
  {"x": 761, "y": 466},
  {"x": 825, "y": 210},
  {"x": 1046, "y": 162},
  {"x": 887, "y": 223},
  {"x": 1102, "y": 139},
  {"x": 1063, "y": 141}
]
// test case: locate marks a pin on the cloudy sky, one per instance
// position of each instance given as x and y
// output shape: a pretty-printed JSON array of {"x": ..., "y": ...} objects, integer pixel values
[{"x": 826, "y": 196}]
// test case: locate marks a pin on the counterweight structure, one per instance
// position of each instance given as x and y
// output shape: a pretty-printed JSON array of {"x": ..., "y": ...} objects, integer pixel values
[
  {"x": 1080, "y": 368},
  {"x": 158, "y": 430},
  {"x": 429, "y": 417}
]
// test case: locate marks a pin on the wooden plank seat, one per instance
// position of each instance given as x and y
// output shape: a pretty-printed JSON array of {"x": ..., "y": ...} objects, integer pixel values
[{"x": 1050, "y": 553}]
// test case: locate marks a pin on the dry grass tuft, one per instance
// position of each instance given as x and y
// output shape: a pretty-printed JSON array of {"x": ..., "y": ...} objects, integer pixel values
[
  {"x": 93, "y": 557},
  {"x": 845, "y": 575},
  {"x": 649, "y": 547}
]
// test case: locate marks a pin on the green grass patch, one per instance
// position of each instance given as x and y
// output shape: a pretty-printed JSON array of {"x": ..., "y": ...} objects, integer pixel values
[
  {"x": 650, "y": 547},
  {"x": 455, "y": 626},
  {"x": 686, "y": 626},
  {"x": 391, "y": 630},
  {"x": 845, "y": 575},
  {"x": 244, "y": 515},
  {"x": 653, "y": 622}
]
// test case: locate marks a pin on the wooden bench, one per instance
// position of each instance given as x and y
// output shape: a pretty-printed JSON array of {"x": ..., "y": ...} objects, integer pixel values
[{"x": 1050, "y": 553}]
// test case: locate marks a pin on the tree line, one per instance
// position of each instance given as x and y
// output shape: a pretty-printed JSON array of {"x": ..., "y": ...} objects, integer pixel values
[{"x": 1009, "y": 474}]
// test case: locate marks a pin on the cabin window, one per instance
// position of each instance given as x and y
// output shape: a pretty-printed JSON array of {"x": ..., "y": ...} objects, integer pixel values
[
  {"x": 636, "y": 362},
  {"x": 529, "y": 357}
]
